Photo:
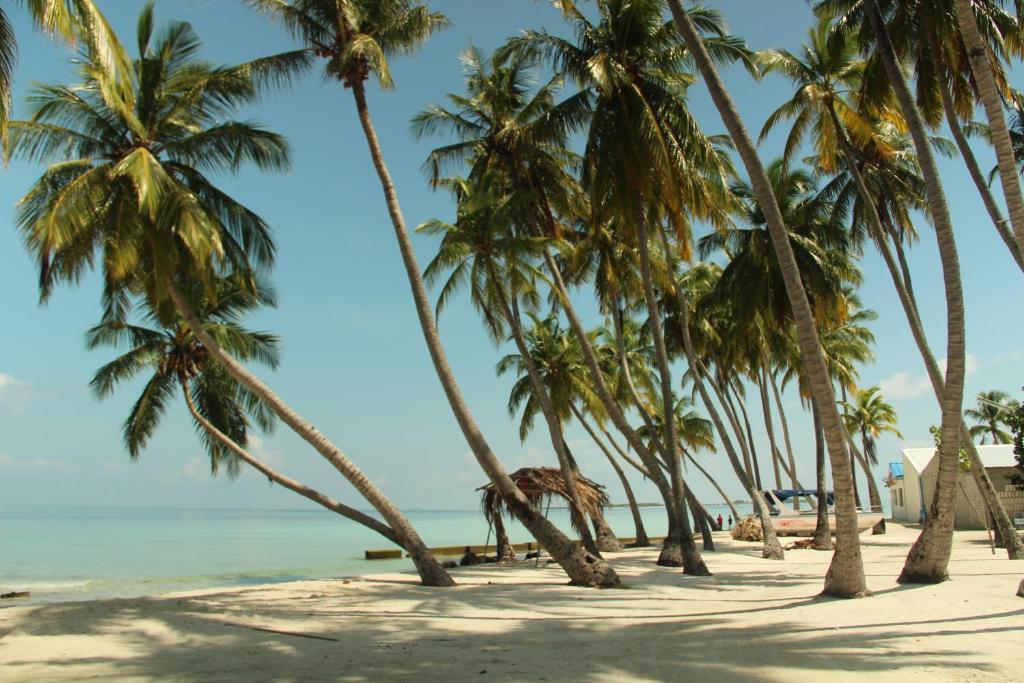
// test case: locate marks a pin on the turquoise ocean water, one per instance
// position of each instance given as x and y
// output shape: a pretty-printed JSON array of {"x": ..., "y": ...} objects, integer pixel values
[{"x": 79, "y": 553}]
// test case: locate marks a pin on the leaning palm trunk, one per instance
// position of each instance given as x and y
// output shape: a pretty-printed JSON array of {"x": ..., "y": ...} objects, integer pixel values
[
  {"x": 286, "y": 481},
  {"x": 671, "y": 553},
  {"x": 725, "y": 398},
  {"x": 845, "y": 575},
  {"x": 430, "y": 570},
  {"x": 874, "y": 498},
  {"x": 638, "y": 523},
  {"x": 1020, "y": 589},
  {"x": 1005, "y": 233},
  {"x": 606, "y": 540},
  {"x": 981, "y": 69},
  {"x": 583, "y": 568},
  {"x": 741, "y": 401},
  {"x": 785, "y": 436},
  {"x": 771, "y": 548},
  {"x": 766, "y": 411},
  {"x": 852, "y": 448},
  {"x": 905, "y": 291},
  {"x": 725, "y": 498},
  {"x": 673, "y": 456},
  {"x": 928, "y": 560},
  {"x": 822, "y": 532},
  {"x": 700, "y": 520},
  {"x": 900, "y": 275},
  {"x": 511, "y": 313}
]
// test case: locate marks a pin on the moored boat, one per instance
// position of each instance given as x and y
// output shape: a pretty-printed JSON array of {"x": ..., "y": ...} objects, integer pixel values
[{"x": 789, "y": 522}]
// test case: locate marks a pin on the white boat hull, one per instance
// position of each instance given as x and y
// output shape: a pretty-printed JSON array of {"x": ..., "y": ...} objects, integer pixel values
[{"x": 804, "y": 525}]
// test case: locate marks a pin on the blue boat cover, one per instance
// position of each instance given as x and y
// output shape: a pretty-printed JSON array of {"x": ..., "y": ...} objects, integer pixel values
[{"x": 786, "y": 494}]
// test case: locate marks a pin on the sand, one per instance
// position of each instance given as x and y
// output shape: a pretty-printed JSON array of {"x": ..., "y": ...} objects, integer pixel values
[{"x": 754, "y": 620}]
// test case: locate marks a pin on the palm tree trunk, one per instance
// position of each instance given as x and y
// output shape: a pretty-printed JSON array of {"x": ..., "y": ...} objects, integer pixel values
[
  {"x": 691, "y": 556},
  {"x": 430, "y": 570},
  {"x": 554, "y": 423},
  {"x": 286, "y": 481},
  {"x": 766, "y": 411},
  {"x": 851, "y": 448},
  {"x": 1020, "y": 589},
  {"x": 845, "y": 576},
  {"x": 981, "y": 68},
  {"x": 732, "y": 508},
  {"x": 785, "y": 435},
  {"x": 750, "y": 438},
  {"x": 771, "y": 549},
  {"x": 638, "y": 522},
  {"x": 725, "y": 397},
  {"x": 583, "y": 568},
  {"x": 605, "y": 537},
  {"x": 928, "y": 559},
  {"x": 971, "y": 161},
  {"x": 874, "y": 498},
  {"x": 671, "y": 554},
  {"x": 822, "y": 532},
  {"x": 900, "y": 275},
  {"x": 700, "y": 520},
  {"x": 639, "y": 467},
  {"x": 504, "y": 550},
  {"x": 904, "y": 290}
]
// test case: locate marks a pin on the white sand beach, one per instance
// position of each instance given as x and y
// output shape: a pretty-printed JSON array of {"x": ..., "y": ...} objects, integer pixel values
[{"x": 754, "y": 620}]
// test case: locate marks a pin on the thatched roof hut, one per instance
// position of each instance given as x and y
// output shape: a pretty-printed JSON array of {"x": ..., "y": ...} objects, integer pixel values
[{"x": 540, "y": 485}]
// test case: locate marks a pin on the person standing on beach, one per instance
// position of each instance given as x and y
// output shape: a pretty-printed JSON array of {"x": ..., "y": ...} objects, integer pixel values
[
  {"x": 719, "y": 521},
  {"x": 730, "y": 522}
]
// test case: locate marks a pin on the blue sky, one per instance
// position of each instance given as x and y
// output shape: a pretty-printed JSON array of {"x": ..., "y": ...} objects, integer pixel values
[{"x": 354, "y": 362}]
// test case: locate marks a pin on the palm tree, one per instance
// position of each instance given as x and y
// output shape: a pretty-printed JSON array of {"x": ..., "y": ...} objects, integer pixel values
[
  {"x": 990, "y": 414},
  {"x": 640, "y": 120},
  {"x": 554, "y": 365},
  {"x": 355, "y": 38},
  {"x": 481, "y": 247},
  {"x": 879, "y": 187},
  {"x": 928, "y": 559},
  {"x": 503, "y": 127},
  {"x": 870, "y": 416},
  {"x": 846, "y": 573},
  {"x": 223, "y": 410},
  {"x": 73, "y": 21},
  {"x": 981, "y": 64},
  {"x": 130, "y": 185},
  {"x": 926, "y": 33}
]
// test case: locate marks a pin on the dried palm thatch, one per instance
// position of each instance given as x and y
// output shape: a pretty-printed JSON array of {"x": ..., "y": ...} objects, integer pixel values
[
  {"x": 540, "y": 485},
  {"x": 748, "y": 529}
]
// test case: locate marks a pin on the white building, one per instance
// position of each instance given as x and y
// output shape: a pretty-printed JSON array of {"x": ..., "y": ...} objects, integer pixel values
[{"x": 912, "y": 484}]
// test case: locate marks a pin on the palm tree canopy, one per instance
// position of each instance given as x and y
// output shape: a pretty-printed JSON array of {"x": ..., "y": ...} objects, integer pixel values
[
  {"x": 634, "y": 66},
  {"x": 752, "y": 280},
  {"x": 356, "y": 37},
  {"x": 870, "y": 416},
  {"x": 128, "y": 184},
  {"x": 991, "y": 414},
  {"x": 559, "y": 360},
  {"x": 174, "y": 359},
  {"x": 75, "y": 21}
]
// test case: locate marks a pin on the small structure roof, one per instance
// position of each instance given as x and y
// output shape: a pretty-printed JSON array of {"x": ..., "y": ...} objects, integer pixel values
[
  {"x": 540, "y": 484},
  {"x": 999, "y": 455}
]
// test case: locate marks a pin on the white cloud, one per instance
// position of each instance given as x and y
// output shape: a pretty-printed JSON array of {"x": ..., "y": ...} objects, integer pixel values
[
  {"x": 9, "y": 464},
  {"x": 196, "y": 469},
  {"x": 907, "y": 385},
  {"x": 14, "y": 395},
  {"x": 1007, "y": 358}
]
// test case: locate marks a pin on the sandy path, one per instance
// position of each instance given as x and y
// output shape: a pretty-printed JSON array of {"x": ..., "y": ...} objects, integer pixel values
[{"x": 754, "y": 620}]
